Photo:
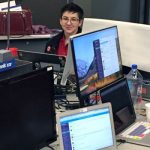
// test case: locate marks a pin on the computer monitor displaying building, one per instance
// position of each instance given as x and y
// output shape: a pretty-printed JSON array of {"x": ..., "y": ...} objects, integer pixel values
[
  {"x": 97, "y": 60},
  {"x": 27, "y": 111}
]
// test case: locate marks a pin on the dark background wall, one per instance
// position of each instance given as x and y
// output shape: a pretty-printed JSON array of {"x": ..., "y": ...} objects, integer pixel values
[
  {"x": 114, "y": 9},
  {"x": 123, "y": 10},
  {"x": 46, "y": 12}
]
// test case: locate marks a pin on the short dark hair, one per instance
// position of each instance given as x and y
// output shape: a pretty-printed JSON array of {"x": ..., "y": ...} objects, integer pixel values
[{"x": 72, "y": 7}]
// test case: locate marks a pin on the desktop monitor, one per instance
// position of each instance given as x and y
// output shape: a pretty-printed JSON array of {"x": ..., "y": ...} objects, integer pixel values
[
  {"x": 41, "y": 60},
  {"x": 97, "y": 60},
  {"x": 27, "y": 111}
]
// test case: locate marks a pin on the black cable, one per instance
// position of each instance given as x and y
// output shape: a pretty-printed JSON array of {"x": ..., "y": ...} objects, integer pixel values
[
  {"x": 74, "y": 101},
  {"x": 61, "y": 103},
  {"x": 50, "y": 147},
  {"x": 96, "y": 97},
  {"x": 68, "y": 105},
  {"x": 121, "y": 141},
  {"x": 57, "y": 107}
]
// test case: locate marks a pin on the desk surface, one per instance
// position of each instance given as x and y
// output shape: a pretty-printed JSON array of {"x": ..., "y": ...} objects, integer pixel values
[
  {"x": 26, "y": 42},
  {"x": 128, "y": 146},
  {"x": 124, "y": 146}
]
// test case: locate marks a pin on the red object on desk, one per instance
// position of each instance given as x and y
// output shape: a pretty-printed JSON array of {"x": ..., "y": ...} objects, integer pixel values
[{"x": 14, "y": 51}]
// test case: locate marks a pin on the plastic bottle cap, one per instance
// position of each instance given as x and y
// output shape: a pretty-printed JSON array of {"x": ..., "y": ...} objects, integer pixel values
[{"x": 134, "y": 66}]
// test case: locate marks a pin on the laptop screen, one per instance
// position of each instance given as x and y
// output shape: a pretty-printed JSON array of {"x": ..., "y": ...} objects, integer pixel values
[
  {"x": 118, "y": 95},
  {"x": 87, "y": 130}
]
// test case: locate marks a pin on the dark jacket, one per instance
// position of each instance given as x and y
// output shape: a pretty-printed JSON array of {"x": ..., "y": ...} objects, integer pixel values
[{"x": 53, "y": 43}]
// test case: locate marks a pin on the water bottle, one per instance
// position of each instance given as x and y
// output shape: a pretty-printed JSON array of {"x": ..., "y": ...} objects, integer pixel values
[{"x": 135, "y": 81}]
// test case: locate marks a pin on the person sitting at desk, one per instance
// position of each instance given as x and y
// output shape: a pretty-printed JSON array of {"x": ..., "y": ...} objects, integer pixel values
[{"x": 71, "y": 20}]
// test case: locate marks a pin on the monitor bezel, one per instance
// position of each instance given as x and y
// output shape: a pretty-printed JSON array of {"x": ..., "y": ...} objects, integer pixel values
[
  {"x": 84, "y": 110},
  {"x": 7, "y": 85}
]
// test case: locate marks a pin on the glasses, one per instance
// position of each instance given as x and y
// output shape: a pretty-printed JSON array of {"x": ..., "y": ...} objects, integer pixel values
[{"x": 72, "y": 20}]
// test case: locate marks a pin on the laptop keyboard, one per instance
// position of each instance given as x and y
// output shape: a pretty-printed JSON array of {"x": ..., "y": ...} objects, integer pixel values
[{"x": 138, "y": 131}]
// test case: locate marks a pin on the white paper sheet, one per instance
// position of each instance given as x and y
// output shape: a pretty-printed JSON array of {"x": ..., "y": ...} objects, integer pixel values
[{"x": 5, "y": 4}]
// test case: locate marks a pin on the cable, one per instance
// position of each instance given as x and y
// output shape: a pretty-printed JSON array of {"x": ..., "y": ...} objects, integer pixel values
[
  {"x": 75, "y": 101},
  {"x": 50, "y": 147},
  {"x": 68, "y": 105},
  {"x": 61, "y": 103},
  {"x": 121, "y": 141}
]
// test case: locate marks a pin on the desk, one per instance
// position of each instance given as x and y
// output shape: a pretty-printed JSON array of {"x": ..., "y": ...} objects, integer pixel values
[
  {"x": 128, "y": 146},
  {"x": 26, "y": 42},
  {"x": 122, "y": 146},
  {"x": 21, "y": 68}
]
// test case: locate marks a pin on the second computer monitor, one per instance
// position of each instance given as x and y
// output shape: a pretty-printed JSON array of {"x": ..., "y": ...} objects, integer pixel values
[
  {"x": 97, "y": 60},
  {"x": 27, "y": 111},
  {"x": 41, "y": 60}
]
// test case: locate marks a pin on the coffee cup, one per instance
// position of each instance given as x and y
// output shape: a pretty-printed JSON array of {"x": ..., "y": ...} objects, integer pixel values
[{"x": 147, "y": 106}]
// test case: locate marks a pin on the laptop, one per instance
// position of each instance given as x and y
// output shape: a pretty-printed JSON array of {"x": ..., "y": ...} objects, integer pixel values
[
  {"x": 89, "y": 128},
  {"x": 146, "y": 90},
  {"x": 127, "y": 126},
  {"x": 41, "y": 60}
]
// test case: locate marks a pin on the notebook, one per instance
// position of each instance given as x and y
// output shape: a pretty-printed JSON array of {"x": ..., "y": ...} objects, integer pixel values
[
  {"x": 89, "y": 128},
  {"x": 127, "y": 127}
]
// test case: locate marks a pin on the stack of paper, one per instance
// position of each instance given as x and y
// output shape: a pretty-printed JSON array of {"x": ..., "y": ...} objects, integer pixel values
[{"x": 13, "y": 6}]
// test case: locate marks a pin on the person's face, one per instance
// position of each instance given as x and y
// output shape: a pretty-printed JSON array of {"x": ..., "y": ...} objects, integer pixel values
[{"x": 70, "y": 23}]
